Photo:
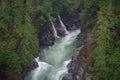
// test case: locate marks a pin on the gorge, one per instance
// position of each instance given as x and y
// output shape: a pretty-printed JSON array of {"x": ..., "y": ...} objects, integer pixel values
[
  {"x": 53, "y": 61},
  {"x": 59, "y": 39}
]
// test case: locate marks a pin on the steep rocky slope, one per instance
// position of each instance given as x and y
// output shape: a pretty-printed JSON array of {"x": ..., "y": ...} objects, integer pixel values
[
  {"x": 77, "y": 68},
  {"x": 46, "y": 36}
]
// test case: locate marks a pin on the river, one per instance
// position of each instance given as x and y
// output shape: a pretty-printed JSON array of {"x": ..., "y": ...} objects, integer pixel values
[{"x": 54, "y": 59}]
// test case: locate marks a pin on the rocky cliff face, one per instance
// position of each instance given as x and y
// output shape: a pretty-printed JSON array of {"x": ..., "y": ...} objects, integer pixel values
[
  {"x": 77, "y": 68},
  {"x": 45, "y": 33},
  {"x": 31, "y": 66},
  {"x": 71, "y": 20}
]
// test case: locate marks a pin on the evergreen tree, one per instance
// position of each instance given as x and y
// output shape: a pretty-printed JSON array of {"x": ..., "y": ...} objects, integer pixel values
[{"x": 17, "y": 37}]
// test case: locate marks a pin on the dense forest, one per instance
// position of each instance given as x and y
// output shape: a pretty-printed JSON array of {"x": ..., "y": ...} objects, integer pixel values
[{"x": 19, "y": 34}]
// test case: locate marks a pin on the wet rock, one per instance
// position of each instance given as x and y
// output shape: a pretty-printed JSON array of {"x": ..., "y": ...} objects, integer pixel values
[
  {"x": 68, "y": 77},
  {"x": 45, "y": 35},
  {"x": 81, "y": 60},
  {"x": 36, "y": 52},
  {"x": 79, "y": 40},
  {"x": 60, "y": 30},
  {"x": 71, "y": 66},
  {"x": 31, "y": 67},
  {"x": 88, "y": 78},
  {"x": 76, "y": 68},
  {"x": 72, "y": 21}
]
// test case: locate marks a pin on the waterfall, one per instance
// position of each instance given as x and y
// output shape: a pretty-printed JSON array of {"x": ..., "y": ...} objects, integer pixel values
[
  {"x": 62, "y": 24},
  {"x": 60, "y": 72},
  {"x": 53, "y": 65},
  {"x": 43, "y": 69},
  {"x": 54, "y": 30}
]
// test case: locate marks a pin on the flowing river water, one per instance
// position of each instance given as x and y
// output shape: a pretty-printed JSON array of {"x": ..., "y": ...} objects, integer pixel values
[{"x": 53, "y": 60}]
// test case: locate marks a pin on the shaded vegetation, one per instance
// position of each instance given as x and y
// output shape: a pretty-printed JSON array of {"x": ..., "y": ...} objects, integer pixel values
[
  {"x": 106, "y": 64},
  {"x": 18, "y": 33}
]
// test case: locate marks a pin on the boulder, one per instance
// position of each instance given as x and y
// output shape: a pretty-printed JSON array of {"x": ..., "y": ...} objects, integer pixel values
[
  {"x": 31, "y": 67},
  {"x": 68, "y": 77}
]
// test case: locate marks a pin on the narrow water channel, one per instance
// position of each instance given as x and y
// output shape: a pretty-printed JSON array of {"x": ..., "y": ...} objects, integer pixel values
[{"x": 53, "y": 60}]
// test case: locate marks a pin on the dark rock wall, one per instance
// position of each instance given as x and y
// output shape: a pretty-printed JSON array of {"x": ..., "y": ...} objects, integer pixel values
[
  {"x": 77, "y": 68},
  {"x": 46, "y": 36},
  {"x": 79, "y": 40},
  {"x": 71, "y": 20},
  {"x": 31, "y": 67},
  {"x": 59, "y": 28}
]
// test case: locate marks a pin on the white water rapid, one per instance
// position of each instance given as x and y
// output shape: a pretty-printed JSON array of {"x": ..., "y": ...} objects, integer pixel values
[
  {"x": 53, "y": 60},
  {"x": 62, "y": 24}
]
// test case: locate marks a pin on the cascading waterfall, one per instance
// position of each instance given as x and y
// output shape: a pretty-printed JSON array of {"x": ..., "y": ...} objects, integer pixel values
[
  {"x": 54, "y": 30},
  {"x": 42, "y": 70},
  {"x": 62, "y": 24},
  {"x": 53, "y": 61}
]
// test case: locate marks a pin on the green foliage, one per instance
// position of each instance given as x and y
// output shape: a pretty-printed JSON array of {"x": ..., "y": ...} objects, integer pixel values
[
  {"x": 54, "y": 7},
  {"x": 17, "y": 36},
  {"x": 71, "y": 5},
  {"x": 89, "y": 9},
  {"x": 106, "y": 63}
]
